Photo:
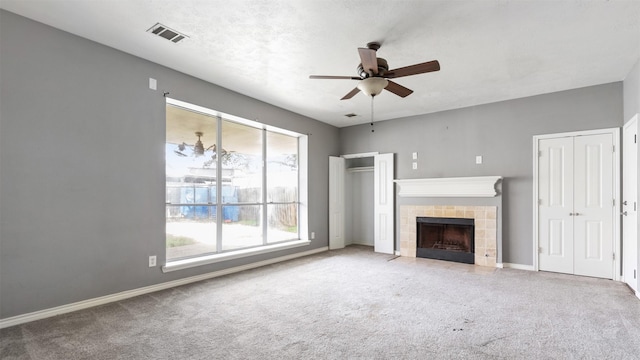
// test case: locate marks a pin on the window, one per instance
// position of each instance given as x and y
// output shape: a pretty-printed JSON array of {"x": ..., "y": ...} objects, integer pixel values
[{"x": 231, "y": 183}]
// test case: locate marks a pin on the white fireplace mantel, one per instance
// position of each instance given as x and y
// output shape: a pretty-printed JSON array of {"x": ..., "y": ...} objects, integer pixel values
[{"x": 477, "y": 186}]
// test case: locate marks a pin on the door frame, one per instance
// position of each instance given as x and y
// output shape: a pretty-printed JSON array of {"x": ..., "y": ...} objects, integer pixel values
[
  {"x": 384, "y": 200},
  {"x": 615, "y": 132}
]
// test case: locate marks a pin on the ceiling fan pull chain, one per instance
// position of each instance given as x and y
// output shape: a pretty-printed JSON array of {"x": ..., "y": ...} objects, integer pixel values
[{"x": 372, "y": 130}]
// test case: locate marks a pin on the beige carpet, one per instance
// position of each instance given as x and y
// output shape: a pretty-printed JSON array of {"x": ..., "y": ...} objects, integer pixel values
[{"x": 351, "y": 304}]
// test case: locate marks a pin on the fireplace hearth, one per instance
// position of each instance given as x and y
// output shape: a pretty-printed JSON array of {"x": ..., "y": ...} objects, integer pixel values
[{"x": 441, "y": 238}]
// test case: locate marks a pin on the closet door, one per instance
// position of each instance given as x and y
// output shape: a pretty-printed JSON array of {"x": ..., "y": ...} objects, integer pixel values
[
  {"x": 336, "y": 202},
  {"x": 576, "y": 208},
  {"x": 593, "y": 205},
  {"x": 383, "y": 208},
  {"x": 630, "y": 202},
  {"x": 555, "y": 205}
]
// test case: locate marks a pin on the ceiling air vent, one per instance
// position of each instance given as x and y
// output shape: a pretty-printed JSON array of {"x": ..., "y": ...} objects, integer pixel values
[
  {"x": 167, "y": 33},
  {"x": 350, "y": 115}
]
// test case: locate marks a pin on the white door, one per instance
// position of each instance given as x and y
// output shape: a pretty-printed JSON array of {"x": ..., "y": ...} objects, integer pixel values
[
  {"x": 630, "y": 202},
  {"x": 383, "y": 237},
  {"x": 555, "y": 207},
  {"x": 593, "y": 213},
  {"x": 576, "y": 205},
  {"x": 336, "y": 202}
]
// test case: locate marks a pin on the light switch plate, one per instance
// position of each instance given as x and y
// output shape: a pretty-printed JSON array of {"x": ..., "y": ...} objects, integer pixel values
[
  {"x": 415, "y": 156},
  {"x": 479, "y": 159}
]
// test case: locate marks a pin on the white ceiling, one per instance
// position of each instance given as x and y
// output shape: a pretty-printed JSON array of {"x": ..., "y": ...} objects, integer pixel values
[{"x": 489, "y": 50}]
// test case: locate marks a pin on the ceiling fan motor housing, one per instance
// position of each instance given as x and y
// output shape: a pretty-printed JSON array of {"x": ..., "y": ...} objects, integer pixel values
[{"x": 383, "y": 67}]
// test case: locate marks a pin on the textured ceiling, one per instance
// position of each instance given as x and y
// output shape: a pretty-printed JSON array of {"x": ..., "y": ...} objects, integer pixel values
[{"x": 490, "y": 50}]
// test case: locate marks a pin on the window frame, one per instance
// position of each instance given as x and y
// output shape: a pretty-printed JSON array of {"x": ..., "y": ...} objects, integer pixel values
[{"x": 298, "y": 239}]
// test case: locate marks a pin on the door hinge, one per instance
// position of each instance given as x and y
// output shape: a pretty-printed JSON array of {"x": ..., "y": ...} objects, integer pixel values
[
  {"x": 540, "y": 250},
  {"x": 614, "y": 148},
  {"x": 614, "y": 256},
  {"x": 539, "y": 153},
  {"x": 635, "y": 138},
  {"x": 614, "y": 202},
  {"x": 634, "y": 206},
  {"x": 539, "y": 201},
  {"x": 634, "y": 273}
]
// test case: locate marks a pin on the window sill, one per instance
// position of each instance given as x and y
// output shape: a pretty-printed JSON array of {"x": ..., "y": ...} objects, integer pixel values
[{"x": 215, "y": 258}]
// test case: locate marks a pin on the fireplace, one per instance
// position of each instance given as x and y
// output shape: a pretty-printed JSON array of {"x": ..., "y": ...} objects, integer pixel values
[
  {"x": 485, "y": 236},
  {"x": 443, "y": 238}
]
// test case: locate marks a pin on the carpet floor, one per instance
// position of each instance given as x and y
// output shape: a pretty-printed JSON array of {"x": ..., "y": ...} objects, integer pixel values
[{"x": 351, "y": 304}]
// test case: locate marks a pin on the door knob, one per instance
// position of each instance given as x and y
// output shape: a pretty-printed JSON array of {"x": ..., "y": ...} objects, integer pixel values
[
  {"x": 624, "y": 202},
  {"x": 624, "y": 213}
]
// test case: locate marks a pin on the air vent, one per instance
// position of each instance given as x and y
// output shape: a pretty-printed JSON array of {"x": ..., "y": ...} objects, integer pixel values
[
  {"x": 167, "y": 33},
  {"x": 350, "y": 115}
]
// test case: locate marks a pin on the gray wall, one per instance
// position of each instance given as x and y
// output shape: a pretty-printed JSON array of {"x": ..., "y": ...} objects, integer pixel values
[
  {"x": 447, "y": 143},
  {"x": 82, "y": 166},
  {"x": 359, "y": 209},
  {"x": 631, "y": 87}
]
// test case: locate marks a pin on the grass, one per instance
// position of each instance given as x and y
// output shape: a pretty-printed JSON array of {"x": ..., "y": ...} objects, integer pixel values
[{"x": 175, "y": 241}]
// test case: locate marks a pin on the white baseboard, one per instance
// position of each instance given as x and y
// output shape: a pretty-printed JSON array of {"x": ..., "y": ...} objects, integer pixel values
[
  {"x": 85, "y": 304},
  {"x": 518, "y": 266}
]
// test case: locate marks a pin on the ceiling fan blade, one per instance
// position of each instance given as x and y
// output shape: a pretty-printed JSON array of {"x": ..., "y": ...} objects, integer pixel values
[
  {"x": 334, "y": 77},
  {"x": 422, "y": 68},
  {"x": 398, "y": 89},
  {"x": 351, "y": 94},
  {"x": 369, "y": 60}
]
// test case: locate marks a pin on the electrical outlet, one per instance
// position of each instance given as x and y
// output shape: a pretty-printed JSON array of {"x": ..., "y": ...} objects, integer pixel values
[
  {"x": 415, "y": 165},
  {"x": 313, "y": 235},
  {"x": 479, "y": 159},
  {"x": 152, "y": 261}
]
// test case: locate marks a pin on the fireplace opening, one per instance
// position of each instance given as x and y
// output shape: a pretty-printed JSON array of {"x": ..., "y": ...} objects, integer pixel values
[{"x": 448, "y": 239}]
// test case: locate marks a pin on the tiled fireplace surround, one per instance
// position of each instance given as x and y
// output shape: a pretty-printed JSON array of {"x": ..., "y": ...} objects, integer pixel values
[
  {"x": 485, "y": 217},
  {"x": 485, "y": 225}
]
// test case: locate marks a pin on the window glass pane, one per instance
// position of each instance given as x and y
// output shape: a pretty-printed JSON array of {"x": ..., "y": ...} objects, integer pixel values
[
  {"x": 282, "y": 168},
  {"x": 241, "y": 158},
  {"x": 282, "y": 222},
  {"x": 242, "y": 226},
  {"x": 191, "y": 231},
  {"x": 190, "y": 179}
]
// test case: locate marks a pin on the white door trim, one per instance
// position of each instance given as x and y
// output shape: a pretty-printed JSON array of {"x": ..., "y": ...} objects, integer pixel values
[{"x": 615, "y": 132}]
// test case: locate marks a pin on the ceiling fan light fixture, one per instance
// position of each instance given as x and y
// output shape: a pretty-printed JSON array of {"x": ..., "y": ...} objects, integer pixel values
[
  {"x": 198, "y": 148},
  {"x": 373, "y": 86}
]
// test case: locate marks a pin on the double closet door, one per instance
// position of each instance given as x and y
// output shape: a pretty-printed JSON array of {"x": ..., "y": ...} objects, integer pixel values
[{"x": 576, "y": 204}]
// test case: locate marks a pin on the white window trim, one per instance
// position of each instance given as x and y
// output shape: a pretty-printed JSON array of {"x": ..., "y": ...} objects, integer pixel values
[{"x": 216, "y": 258}]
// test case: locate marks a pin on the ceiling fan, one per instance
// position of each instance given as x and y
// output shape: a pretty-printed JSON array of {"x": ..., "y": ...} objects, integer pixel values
[
  {"x": 374, "y": 74},
  {"x": 198, "y": 147},
  {"x": 199, "y": 150}
]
